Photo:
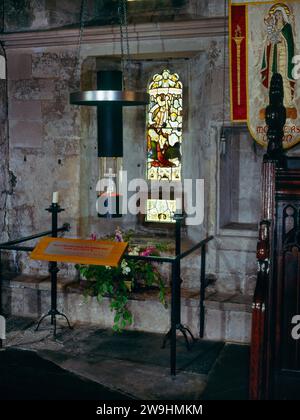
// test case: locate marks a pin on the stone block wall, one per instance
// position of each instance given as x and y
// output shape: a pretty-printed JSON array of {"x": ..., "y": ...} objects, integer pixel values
[
  {"x": 43, "y": 137},
  {"x": 23, "y": 15},
  {"x": 5, "y": 181},
  {"x": 52, "y": 144},
  {"x": 224, "y": 320}
]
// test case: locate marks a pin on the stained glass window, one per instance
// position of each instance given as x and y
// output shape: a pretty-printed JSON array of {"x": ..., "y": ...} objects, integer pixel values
[
  {"x": 164, "y": 127},
  {"x": 164, "y": 137},
  {"x": 160, "y": 210}
]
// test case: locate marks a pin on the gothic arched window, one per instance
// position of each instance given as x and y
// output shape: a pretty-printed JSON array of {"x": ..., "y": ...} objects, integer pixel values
[{"x": 164, "y": 137}]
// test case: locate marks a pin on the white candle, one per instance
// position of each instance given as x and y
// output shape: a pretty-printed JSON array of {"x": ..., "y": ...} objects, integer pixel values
[{"x": 55, "y": 197}]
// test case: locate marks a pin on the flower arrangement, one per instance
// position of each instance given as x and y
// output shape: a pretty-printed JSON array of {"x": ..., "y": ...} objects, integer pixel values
[{"x": 118, "y": 282}]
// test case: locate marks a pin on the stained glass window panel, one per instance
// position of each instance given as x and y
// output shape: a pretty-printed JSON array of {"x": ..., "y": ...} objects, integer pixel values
[
  {"x": 160, "y": 210},
  {"x": 164, "y": 127}
]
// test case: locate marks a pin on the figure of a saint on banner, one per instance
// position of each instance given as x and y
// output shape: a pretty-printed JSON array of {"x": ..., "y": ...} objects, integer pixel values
[{"x": 279, "y": 51}]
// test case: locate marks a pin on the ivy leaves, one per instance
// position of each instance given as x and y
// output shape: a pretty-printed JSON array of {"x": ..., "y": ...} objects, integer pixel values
[{"x": 111, "y": 282}]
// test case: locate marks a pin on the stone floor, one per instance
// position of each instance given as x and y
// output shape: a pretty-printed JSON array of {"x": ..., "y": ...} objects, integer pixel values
[{"x": 133, "y": 364}]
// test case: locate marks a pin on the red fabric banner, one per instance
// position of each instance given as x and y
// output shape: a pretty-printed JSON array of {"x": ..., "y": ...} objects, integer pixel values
[{"x": 238, "y": 62}]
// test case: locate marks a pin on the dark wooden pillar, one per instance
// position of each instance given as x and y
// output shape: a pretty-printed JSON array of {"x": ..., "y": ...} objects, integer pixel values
[{"x": 262, "y": 334}]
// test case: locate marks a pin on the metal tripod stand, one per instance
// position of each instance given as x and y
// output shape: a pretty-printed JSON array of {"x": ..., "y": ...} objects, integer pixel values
[
  {"x": 54, "y": 209},
  {"x": 176, "y": 282}
]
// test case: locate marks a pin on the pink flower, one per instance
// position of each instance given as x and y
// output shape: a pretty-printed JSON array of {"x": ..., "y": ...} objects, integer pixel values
[
  {"x": 148, "y": 251},
  {"x": 93, "y": 236}
]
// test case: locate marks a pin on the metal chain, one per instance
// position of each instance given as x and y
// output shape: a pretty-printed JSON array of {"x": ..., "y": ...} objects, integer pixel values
[
  {"x": 83, "y": 18},
  {"x": 223, "y": 136},
  {"x": 224, "y": 60},
  {"x": 123, "y": 21},
  {"x": 128, "y": 69}
]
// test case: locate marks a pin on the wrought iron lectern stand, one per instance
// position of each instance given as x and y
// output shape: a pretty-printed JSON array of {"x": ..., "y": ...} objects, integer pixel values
[{"x": 54, "y": 209}]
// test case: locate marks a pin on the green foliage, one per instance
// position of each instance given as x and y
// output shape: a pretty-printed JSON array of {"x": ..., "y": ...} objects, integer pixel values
[{"x": 112, "y": 282}]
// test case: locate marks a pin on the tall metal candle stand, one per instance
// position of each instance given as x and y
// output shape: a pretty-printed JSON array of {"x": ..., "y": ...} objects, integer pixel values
[
  {"x": 176, "y": 288},
  {"x": 54, "y": 209}
]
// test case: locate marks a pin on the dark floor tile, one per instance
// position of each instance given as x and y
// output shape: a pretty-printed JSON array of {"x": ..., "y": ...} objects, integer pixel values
[
  {"x": 147, "y": 348},
  {"x": 18, "y": 324},
  {"x": 26, "y": 376},
  {"x": 229, "y": 377},
  {"x": 226, "y": 365}
]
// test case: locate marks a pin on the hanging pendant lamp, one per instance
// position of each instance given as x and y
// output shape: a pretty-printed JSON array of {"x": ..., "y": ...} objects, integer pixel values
[
  {"x": 101, "y": 97},
  {"x": 110, "y": 98}
]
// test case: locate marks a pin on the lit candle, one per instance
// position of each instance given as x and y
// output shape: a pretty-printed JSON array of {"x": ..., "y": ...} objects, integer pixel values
[{"x": 55, "y": 198}]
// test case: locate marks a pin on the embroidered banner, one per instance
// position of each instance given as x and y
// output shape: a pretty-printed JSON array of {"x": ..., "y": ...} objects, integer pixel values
[
  {"x": 264, "y": 39},
  {"x": 238, "y": 68}
]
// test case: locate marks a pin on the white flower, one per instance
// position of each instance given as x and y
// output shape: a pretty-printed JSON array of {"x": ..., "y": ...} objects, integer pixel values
[
  {"x": 108, "y": 267},
  {"x": 135, "y": 251},
  {"x": 125, "y": 269}
]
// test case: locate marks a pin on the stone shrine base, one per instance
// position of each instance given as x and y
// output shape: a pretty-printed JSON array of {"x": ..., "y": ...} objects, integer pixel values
[{"x": 228, "y": 316}]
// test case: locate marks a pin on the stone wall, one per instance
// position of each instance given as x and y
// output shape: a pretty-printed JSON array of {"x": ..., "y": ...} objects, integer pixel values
[
  {"x": 44, "y": 139},
  {"x": 24, "y": 15},
  {"x": 6, "y": 182},
  {"x": 52, "y": 144},
  {"x": 224, "y": 320}
]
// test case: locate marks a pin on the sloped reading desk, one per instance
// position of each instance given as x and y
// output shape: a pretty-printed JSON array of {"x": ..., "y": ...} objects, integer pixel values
[
  {"x": 79, "y": 251},
  {"x": 54, "y": 250}
]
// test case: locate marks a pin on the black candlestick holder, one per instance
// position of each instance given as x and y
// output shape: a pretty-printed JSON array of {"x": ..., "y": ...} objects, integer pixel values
[
  {"x": 54, "y": 209},
  {"x": 185, "y": 331}
]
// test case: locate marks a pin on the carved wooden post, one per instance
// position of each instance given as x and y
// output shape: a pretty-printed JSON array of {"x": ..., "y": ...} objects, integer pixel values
[
  {"x": 257, "y": 367},
  {"x": 275, "y": 120},
  {"x": 261, "y": 355}
]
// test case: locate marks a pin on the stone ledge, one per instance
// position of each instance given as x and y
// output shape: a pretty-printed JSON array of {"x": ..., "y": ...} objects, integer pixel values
[
  {"x": 35, "y": 282},
  {"x": 189, "y": 297},
  {"x": 227, "y": 301},
  {"x": 228, "y": 316}
]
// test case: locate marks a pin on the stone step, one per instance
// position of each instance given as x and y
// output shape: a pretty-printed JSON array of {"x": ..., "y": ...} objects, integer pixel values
[{"x": 228, "y": 316}]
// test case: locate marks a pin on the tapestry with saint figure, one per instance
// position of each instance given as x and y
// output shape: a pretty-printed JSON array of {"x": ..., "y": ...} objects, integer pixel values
[{"x": 264, "y": 38}]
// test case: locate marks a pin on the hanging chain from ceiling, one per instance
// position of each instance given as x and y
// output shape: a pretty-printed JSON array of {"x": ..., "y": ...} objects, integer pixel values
[
  {"x": 124, "y": 38},
  {"x": 224, "y": 59},
  {"x": 223, "y": 136},
  {"x": 82, "y": 20}
]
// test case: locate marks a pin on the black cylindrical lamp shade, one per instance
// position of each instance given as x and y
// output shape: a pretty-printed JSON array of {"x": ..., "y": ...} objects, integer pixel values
[
  {"x": 110, "y": 144},
  {"x": 109, "y": 99},
  {"x": 110, "y": 116}
]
